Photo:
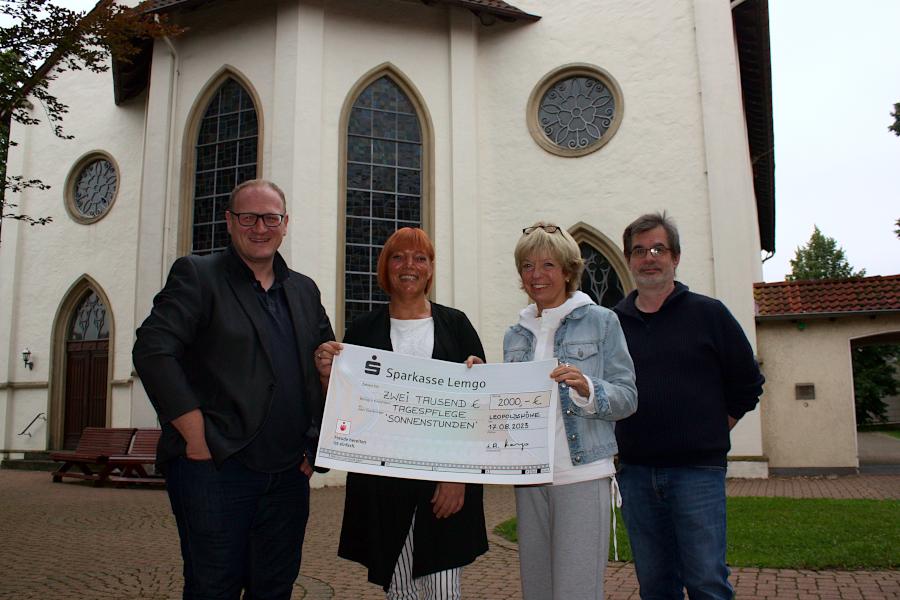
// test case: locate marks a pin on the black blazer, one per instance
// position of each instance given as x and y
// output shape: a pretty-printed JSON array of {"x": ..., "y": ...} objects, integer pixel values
[
  {"x": 202, "y": 347},
  {"x": 378, "y": 510}
]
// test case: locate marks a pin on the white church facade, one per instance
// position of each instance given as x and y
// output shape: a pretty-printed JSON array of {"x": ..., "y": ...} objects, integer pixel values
[{"x": 469, "y": 118}]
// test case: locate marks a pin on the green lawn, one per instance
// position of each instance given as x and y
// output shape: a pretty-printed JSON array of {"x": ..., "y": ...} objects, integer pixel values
[
  {"x": 893, "y": 433},
  {"x": 791, "y": 533}
]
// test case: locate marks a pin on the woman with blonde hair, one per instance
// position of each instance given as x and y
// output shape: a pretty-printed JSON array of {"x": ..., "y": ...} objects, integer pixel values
[
  {"x": 411, "y": 533},
  {"x": 563, "y": 527}
]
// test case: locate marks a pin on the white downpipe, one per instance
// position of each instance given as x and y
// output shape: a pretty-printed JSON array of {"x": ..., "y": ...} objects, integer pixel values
[{"x": 170, "y": 148}]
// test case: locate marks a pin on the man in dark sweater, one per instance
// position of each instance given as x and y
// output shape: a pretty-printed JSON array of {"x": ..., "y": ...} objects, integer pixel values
[{"x": 696, "y": 377}]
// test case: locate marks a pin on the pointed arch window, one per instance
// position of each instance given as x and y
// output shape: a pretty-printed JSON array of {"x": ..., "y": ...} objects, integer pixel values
[
  {"x": 600, "y": 280},
  {"x": 384, "y": 185},
  {"x": 89, "y": 320},
  {"x": 226, "y": 155}
]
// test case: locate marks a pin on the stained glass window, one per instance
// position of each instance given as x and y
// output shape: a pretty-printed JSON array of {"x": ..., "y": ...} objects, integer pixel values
[
  {"x": 89, "y": 321},
  {"x": 384, "y": 186},
  {"x": 95, "y": 188},
  {"x": 226, "y": 155},
  {"x": 576, "y": 112},
  {"x": 599, "y": 280}
]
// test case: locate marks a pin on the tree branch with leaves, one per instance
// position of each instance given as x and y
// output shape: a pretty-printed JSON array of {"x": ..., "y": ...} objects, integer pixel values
[
  {"x": 39, "y": 41},
  {"x": 895, "y": 126}
]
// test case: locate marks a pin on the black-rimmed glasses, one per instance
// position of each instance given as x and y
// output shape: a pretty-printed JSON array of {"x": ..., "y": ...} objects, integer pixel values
[
  {"x": 547, "y": 228},
  {"x": 248, "y": 219},
  {"x": 655, "y": 251}
]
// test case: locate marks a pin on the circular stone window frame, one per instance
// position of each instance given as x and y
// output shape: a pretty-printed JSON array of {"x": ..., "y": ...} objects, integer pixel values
[
  {"x": 72, "y": 180},
  {"x": 566, "y": 72}
]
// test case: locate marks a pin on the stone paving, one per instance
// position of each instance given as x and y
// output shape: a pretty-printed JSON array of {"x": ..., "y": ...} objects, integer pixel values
[{"x": 71, "y": 541}]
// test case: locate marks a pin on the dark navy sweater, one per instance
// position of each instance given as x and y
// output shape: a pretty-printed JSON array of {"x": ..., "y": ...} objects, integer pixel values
[{"x": 694, "y": 368}]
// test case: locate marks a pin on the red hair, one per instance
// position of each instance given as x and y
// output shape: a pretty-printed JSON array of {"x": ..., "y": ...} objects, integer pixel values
[{"x": 405, "y": 238}]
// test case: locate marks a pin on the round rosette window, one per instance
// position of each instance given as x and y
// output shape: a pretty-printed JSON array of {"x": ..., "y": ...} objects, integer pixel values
[
  {"x": 575, "y": 110},
  {"x": 92, "y": 187}
]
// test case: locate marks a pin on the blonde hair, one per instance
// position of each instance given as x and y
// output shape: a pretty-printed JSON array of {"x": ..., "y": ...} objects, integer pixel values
[{"x": 560, "y": 245}]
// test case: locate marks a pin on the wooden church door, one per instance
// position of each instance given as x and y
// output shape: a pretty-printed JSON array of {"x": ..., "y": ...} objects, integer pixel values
[{"x": 87, "y": 362}]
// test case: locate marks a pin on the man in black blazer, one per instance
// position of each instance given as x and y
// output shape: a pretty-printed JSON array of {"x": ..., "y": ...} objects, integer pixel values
[{"x": 226, "y": 357}]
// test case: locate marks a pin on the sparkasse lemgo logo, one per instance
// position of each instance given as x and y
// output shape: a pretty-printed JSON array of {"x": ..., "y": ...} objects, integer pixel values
[{"x": 373, "y": 367}]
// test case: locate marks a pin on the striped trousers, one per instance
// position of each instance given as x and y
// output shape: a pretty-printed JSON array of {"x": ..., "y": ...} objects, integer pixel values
[{"x": 443, "y": 585}]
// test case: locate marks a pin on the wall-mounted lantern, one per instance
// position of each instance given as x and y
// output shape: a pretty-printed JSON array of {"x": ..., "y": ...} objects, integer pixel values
[{"x": 26, "y": 358}]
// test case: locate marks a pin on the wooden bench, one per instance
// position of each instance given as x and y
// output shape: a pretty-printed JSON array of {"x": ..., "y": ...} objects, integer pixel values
[
  {"x": 92, "y": 454},
  {"x": 130, "y": 467}
]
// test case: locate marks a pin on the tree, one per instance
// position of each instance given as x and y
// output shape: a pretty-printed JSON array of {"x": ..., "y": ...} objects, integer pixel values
[
  {"x": 43, "y": 40},
  {"x": 874, "y": 377},
  {"x": 821, "y": 258},
  {"x": 895, "y": 127}
]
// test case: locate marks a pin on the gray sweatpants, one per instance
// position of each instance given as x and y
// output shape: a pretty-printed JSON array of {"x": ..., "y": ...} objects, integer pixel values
[{"x": 563, "y": 540}]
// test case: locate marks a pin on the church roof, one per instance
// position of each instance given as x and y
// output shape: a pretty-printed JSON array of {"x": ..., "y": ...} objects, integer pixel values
[
  {"x": 827, "y": 297},
  {"x": 751, "y": 29},
  {"x": 484, "y": 9},
  {"x": 496, "y": 8}
]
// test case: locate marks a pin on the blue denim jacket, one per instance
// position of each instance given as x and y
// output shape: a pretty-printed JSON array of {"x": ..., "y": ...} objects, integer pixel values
[{"x": 591, "y": 339}]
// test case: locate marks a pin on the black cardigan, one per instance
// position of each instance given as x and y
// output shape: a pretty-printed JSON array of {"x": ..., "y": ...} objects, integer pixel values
[{"x": 378, "y": 510}]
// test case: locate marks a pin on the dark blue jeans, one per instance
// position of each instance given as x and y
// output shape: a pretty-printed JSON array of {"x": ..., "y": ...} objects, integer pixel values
[
  {"x": 675, "y": 517},
  {"x": 240, "y": 529}
]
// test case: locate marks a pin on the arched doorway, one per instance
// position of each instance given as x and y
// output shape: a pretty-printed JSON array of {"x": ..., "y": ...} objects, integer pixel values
[
  {"x": 876, "y": 377},
  {"x": 86, "y": 368}
]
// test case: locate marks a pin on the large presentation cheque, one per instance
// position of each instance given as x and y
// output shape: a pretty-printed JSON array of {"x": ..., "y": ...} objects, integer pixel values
[{"x": 391, "y": 414}]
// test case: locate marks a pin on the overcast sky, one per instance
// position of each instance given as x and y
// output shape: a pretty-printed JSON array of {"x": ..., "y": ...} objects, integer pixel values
[{"x": 836, "y": 77}]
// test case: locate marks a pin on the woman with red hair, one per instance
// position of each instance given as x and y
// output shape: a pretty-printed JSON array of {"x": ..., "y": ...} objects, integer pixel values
[{"x": 411, "y": 533}]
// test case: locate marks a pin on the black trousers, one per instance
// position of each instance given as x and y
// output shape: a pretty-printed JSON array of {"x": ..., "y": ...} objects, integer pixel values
[{"x": 240, "y": 529}]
